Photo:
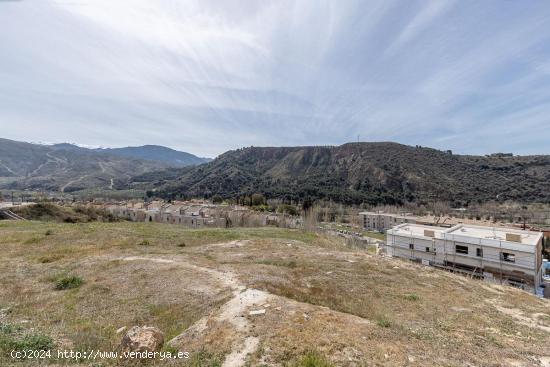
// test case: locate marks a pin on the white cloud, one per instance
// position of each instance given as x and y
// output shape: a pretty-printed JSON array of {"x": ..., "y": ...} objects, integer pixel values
[{"x": 207, "y": 76}]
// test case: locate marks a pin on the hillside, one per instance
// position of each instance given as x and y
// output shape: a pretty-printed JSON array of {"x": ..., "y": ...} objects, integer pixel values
[
  {"x": 360, "y": 172},
  {"x": 34, "y": 166},
  {"x": 171, "y": 157},
  {"x": 318, "y": 302}
]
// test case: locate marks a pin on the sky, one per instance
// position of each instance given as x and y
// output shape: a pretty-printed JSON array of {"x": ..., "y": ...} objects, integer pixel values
[{"x": 209, "y": 76}]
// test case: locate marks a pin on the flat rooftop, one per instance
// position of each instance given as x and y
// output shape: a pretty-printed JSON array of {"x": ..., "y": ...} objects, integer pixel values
[
  {"x": 416, "y": 230},
  {"x": 495, "y": 233},
  {"x": 393, "y": 215}
]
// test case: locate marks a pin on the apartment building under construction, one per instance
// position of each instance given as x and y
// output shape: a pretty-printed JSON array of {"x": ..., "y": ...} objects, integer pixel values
[{"x": 496, "y": 254}]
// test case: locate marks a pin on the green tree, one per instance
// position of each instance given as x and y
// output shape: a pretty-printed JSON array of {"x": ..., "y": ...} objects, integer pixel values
[{"x": 257, "y": 199}]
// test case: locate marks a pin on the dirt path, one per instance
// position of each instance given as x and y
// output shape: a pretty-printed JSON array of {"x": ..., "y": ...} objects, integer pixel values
[
  {"x": 72, "y": 182},
  {"x": 233, "y": 311},
  {"x": 7, "y": 168}
]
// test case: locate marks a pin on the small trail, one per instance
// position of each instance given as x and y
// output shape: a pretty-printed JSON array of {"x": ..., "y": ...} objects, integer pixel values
[
  {"x": 57, "y": 160},
  {"x": 235, "y": 311},
  {"x": 7, "y": 168},
  {"x": 232, "y": 311},
  {"x": 72, "y": 182}
]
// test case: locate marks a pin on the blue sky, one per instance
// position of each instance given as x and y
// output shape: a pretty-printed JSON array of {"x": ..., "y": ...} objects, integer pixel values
[{"x": 209, "y": 76}]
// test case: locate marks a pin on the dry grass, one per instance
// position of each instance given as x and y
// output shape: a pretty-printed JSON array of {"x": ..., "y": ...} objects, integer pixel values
[{"x": 348, "y": 306}]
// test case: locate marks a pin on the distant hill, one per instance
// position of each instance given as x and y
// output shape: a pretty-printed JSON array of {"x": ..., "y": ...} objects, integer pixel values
[
  {"x": 158, "y": 153},
  {"x": 360, "y": 172},
  {"x": 65, "y": 167}
]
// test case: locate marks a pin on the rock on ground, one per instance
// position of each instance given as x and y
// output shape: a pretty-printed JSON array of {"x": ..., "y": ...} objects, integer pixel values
[{"x": 142, "y": 339}]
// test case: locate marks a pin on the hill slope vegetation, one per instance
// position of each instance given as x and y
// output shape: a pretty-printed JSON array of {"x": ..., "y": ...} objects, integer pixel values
[
  {"x": 360, "y": 173},
  {"x": 158, "y": 153},
  {"x": 34, "y": 166}
]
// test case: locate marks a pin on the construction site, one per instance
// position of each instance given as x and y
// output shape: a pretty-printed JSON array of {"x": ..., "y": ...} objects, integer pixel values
[{"x": 502, "y": 255}]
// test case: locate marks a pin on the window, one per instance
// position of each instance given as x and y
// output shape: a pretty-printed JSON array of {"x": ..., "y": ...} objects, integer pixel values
[
  {"x": 461, "y": 249},
  {"x": 411, "y": 246},
  {"x": 508, "y": 257},
  {"x": 479, "y": 252},
  {"x": 427, "y": 249}
]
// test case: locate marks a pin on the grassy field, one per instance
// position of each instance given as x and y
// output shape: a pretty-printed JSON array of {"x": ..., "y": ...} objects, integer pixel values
[{"x": 72, "y": 286}]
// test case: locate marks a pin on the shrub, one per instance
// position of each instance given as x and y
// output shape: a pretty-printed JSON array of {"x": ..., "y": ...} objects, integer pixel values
[
  {"x": 33, "y": 342},
  {"x": 313, "y": 359},
  {"x": 49, "y": 258},
  {"x": 9, "y": 329},
  {"x": 383, "y": 322},
  {"x": 288, "y": 209},
  {"x": 217, "y": 199},
  {"x": 257, "y": 199},
  {"x": 68, "y": 282},
  {"x": 9, "y": 342},
  {"x": 181, "y": 244},
  {"x": 49, "y": 232},
  {"x": 412, "y": 297},
  {"x": 144, "y": 243}
]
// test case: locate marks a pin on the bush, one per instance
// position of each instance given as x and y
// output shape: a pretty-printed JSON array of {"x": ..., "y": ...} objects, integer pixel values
[
  {"x": 383, "y": 322},
  {"x": 288, "y": 209},
  {"x": 412, "y": 297},
  {"x": 49, "y": 258},
  {"x": 257, "y": 199},
  {"x": 9, "y": 329},
  {"x": 144, "y": 243},
  {"x": 33, "y": 342},
  {"x": 9, "y": 342},
  {"x": 181, "y": 244},
  {"x": 68, "y": 282},
  {"x": 313, "y": 359},
  {"x": 49, "y": 232},
  {"x": 217, "y": 199}
]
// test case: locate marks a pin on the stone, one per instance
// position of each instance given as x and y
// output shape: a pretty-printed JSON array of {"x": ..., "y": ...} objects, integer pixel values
[
  {"x": 142, "y": 339},
  {"x": 257, "y": 312},
  {"x": 460, "y": 309}
]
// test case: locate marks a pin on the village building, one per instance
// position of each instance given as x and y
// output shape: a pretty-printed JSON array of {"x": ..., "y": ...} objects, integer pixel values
[
  {"x": 497, "y": 254},
  {"x": 381, "y": 222},
  {"x": 197, "y": 214}
]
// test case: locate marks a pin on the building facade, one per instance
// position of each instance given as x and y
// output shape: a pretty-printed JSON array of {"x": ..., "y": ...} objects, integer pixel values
[
  {"x": 503, "y": 255},
  {"x": 381, "y": 222}
]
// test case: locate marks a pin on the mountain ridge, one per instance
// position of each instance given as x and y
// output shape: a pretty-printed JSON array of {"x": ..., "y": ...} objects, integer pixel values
[
  {"x": 150, "y": 152},
  {"x": 65, "y": 167},
  {"x": 354, "y": 173}
]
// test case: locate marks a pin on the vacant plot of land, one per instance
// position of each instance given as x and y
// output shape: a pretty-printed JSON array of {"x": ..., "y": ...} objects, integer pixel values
[{"x": 252, "y": 296}]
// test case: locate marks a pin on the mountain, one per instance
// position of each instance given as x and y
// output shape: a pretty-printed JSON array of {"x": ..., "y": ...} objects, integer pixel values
[
  {"x": 65, "y": 167},
  {"x": 158, "y": 153},
  {"x": 360, "y": 173}
]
